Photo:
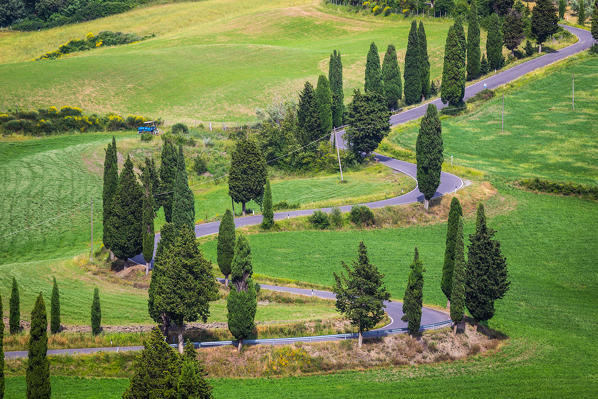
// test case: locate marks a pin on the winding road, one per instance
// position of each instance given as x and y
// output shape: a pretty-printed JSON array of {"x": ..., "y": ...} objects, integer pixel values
[{"x": 448, "y": 183}]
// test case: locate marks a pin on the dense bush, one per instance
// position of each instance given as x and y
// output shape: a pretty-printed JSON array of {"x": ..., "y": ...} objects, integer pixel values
[
  {"x": 199, "y": 165},
  {"x": 548, "y": 186},
  {"x": 284, "y": 205},
  {"x": 319, "y": 220},
  {"x": 483, "y": 95},
  {"x": 179, "y": 128},
  {"x": 105, "y": 38},
  {"x": 146, "y": 136},
  {"x": 336, "y": 217},
  {"x": 362, "y": 216}
]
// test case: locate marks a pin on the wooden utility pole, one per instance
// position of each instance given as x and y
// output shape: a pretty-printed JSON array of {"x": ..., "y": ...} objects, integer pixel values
[
  {"x": 338, "y": 155},
  {"x": 91, "y": 247}
]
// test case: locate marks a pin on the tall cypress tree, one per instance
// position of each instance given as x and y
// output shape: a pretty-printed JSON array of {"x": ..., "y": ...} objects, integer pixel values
[
  {"x": 183, "y": 202},
  {"x": 38, "y": 366},
  {"x": 168, "y": 172},
  {"x": 335, "y": 76},
  {"x": 413, "y": 299},
  {"x": 226, "y": 244},
  {"x": 268, "y": 213},
  {"x": 308, "y": 118},
  {"x": 391, "y": 78},
  {"x": 581, "y": 14},
  {"x": 148, "y": 213},
  {"x": 127, "y": 215},
  {"x": 14, "y": 317},
  {"x": 424, "y": 62},
  {"x": 453, "y": 70},
  {"x": 373, "y": 75},
  {"x": 96, "y": 313},
  {"x": 461, "y": 35},
  {"x": 473, "y": 43},
  {"x": 455, "y": 214},
  {"x": 109, "y": 189},
  {"x": 412, "y": 75},
  {"x": 429, "y": 154},
  {"x": 486, "y": 275},
  {"x": 544, "y": 22},
  {"x": 55, "y": 309},
  {"x": 241, "y": 302},
  {"x": 324, "y": 101},
  {"x": 494, "y": 43},
  {"x": 562, "y": 8},
  {"x": 2, "y": 383},
  {"x": 247, "y": 175},
  {"x": 155, "y": 182},
  {"x": 458, "y": 283}
]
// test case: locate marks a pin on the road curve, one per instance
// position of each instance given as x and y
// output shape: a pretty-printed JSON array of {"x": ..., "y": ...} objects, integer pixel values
[{"x": 448, "y": 183}]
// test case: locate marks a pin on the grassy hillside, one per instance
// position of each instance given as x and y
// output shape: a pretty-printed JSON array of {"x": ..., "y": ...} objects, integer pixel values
[{"x": 210, "y": 60}]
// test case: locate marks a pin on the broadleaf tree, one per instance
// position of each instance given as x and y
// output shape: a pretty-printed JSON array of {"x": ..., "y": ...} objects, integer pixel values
[
  {"x": 544, "y": 21},
  {"x": 247, "y": 174},
  {"x": 368, "y": 123}
]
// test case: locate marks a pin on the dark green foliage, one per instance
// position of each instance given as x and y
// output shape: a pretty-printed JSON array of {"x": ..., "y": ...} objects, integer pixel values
[
  {"x": 168, "y": 234},
  {"x": 513, "y": 26},
  {"x": 96, "y": 313},
  {"x": 226, "y": 243},
  {"x": 199, "y": 165},
  {"x": 494, "y": 44},
  {"x": 581, "y": 14},
  {"x": 308, "y": 118},
  {"x": 335, "y": 76},
  {"x": 458, "y": 278},
  {"x": 241, "y": 267},
  {"x": 55, "y": 309},
  {"x": 487, "y": 278},
  {"x": 424, "y": 62},
  {"x": 324, "y": 101},
  {"x": 109, "y": 188},
  {"x": 529, "y": 49},
  {"x": 429, "y": 153},
  {"x": 183, "y": 202},
  {"x": 168, "y": 171},
  {"x": 547, "y": 186},
  {"x": 562, "y": 8},
  {"x": 362, "y": 216},
  {"x": 412, "y": 73},
  {"x": 182, "y": 282},
  {"x": 14, "y": 317},
  {"x": 544, "y": 21},
  {"x": 102, "y": 39},
  {"x": 38, "y": 366},
  {"x": 373, "y": 75},
  {"x": 148, "y": 214},
  {"x": 594, "y": 28},
  {"x": 461, "y": 36},
  {"x": 391, "y": 78},
  {"x": 192, "y": 382},
  {"x": 413, "y": 299},
  {"x": 368, "y": 123},
  {"x": 127, "y": 214},
  {"x": 473, "y": 43},
  {"x": 484, "y": 66},
  {"x": 267, "y": 212},
  {"x": 2, "y": 383},
  {"x": 360, "y": 294},
  {"x": 444, "y": 8},
  {"x": 155, "y": 181},
  {"x": 155, "y": 370},
  {"x": 179, "y": 128},
  {"x": 502, "y": 7},
  {"x": 319, "y": 220},
  {"x": 454, "y": 219},
  {"x": 336, "y": 217},
  {"x": 247, "y": 175},
  {"x": 453, "y": 71}
]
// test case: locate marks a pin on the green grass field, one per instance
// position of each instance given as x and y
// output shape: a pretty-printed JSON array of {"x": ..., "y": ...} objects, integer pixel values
[{"x": 210, "y": 60}]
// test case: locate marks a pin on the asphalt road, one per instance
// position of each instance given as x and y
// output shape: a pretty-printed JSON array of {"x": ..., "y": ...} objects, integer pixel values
[{"x": 448, "y": 183}]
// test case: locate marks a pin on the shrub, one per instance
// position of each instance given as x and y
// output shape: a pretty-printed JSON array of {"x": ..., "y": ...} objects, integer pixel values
[
  {"x": 387, "y": 11},
  {"x": 319, "y": 220},
  {"x": 377, "y": 10},
  {"x": 199, "y": 165},
  {"x": 146, "y": 136},
  {"x": 548, "y": 186},
  {"x": 336, "y": 217},
  {"x": 483, "y": 95},
  {"x": 179, "y": 128},
  {"x": 362, "y": 216},
  {"x": 116, "y": 122},
  {"x": 134, "y": 121},
  {"x": 284, "y": 205},
  {"x": 529, "y": 49}
]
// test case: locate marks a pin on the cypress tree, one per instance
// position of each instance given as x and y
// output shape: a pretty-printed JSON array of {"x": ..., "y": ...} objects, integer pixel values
[
  {"x": 360, "y": 294},
  {"x": 581, "y": 14},
  {"x": 484, "y": 66},
  {"x": 1, "y": 352},
  {"x": 324, "y": 101},
  {"x": 55, "y": 309},
  {"x": 473, "y": 43},
  {"x": 458, "y": 283},
  {"x": 268, "y": 213},
  {"x": 247, "y": 175},
  {"x": 155, "y": 370},
  {"x": 594, "y": 28},
  {"x": 335, "y": 76},
  {"x": 486, "y": 273},
  {"x": 38, "y": 366},
  {"x": 391, "y": 78},
  {"x": 154, "y": 178},
  {"x": 148, "y": 215},
  {"x": 373, "y": 75},
  {"x": 308, "y": 118},
  {"x": 183, "y": 202},
  {"x": 226, "y": 244},
  {"x": 544, "y": 22},
  {"x": 453, "y": 71},
  {"x": 14, "y": 317},
  {"x": 168, "y": 172},
  {"x": 192, "y": 383},
  {"x": 368, "y": 123},
  {"x": 127, "y": 215},
  {"x": 413, "y": 299},
  {"x": 494, "y": 43},
  {"x": 429, "y": 154},
  {"x": 513, "y": 30},
  {"x": 461, "y": 35},
  {"x": 96, "y": 313},
  {"x": 454, "y": 218},
  {"x": 562, "y": 8},
  {"x": 109, "y": 189},
  {"x": 241, "y": 302},
  {"x": 424, "y": 62},
  {"x": 412, "y": 75}
]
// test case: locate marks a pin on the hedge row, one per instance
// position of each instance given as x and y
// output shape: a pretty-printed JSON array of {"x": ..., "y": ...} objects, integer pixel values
[{"x": 548, "y": 186}]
